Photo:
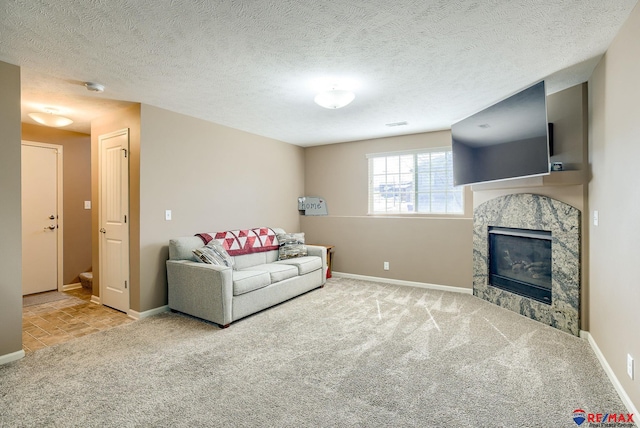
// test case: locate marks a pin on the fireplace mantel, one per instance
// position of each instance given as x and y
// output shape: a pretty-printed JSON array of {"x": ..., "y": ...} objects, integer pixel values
[{"x": 555, "y": 178}]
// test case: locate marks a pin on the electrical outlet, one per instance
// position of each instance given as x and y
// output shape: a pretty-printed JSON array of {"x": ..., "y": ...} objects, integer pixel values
[
  {"x": 630, "y": 366},
  {"x": 596, "y": 218},
  {"x": 167, "y": 215},
  {"x": 386, "y": 265}
]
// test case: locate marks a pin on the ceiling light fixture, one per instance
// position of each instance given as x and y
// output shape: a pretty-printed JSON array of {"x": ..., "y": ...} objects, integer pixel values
[
  {"x": 334, "y": 98},
  {"x": 94, "y": 87},
  {"x": 50, "y": 118}
]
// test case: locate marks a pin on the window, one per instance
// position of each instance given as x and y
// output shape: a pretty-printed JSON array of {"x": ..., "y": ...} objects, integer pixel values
[{"x": 413, "y": 182}]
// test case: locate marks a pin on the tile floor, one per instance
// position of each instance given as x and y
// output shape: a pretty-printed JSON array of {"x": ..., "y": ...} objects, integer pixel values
[{"x": 63, "y": 320}]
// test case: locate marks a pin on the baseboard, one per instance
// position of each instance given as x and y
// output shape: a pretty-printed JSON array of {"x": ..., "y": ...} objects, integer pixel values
[
  {"x": 14, "y": 356},
  {"x": 135, "y": 314},
  {"x": 406, "y": 283},
  {"x": 612, "y": 377},
  {"x": 140, "y": 315},
  {"x": 73, "y": 286}
]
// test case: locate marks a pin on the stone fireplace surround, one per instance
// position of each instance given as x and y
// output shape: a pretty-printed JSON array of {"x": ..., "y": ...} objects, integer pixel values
[{"x": 534, "y": 212}]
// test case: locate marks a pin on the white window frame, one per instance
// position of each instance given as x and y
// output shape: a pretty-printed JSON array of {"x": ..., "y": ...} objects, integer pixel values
[{"x": 412, "y": 195}]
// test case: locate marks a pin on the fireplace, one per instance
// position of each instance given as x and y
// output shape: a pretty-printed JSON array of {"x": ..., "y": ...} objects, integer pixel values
[
  {"x": 520, "y": 262},
  {"x": 530, "y": 243}
]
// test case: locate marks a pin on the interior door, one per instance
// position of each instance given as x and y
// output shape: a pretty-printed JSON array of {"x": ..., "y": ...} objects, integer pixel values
[
  {"x": 114, "y": 225},
  {"x": 39, "y": 219}
]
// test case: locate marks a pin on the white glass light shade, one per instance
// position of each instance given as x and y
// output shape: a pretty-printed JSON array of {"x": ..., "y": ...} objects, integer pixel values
[
  {"x": 335, "y": 98},
  {"x": 50, "y": 119}
]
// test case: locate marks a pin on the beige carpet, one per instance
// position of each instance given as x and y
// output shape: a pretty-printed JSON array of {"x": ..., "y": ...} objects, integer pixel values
[{"x": 354, "y": 353}]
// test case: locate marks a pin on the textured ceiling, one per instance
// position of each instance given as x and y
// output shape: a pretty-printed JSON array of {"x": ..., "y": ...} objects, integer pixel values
[{"x": 251, "y": 65}]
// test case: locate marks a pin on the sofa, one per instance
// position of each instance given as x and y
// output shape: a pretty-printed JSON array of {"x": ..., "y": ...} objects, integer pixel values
[{"x": 258, "y": 278}]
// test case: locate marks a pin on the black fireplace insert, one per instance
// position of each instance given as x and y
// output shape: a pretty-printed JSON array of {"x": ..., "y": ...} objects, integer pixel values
[{"x": 520, "y": 262}]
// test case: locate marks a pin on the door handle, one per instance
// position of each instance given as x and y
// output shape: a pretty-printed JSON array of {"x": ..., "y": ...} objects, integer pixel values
[
  {"x": 103, "y": 230},
  {"x": 52, "y": 227}
]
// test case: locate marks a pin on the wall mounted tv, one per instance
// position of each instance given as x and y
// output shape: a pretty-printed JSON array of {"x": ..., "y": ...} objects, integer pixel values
[{"x": 508, "y": 140}]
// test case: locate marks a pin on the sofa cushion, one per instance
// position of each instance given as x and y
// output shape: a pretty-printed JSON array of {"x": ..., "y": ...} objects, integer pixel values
[
  {"x": 182, "y": 248},
  {"x": 304, "y": 264},
  {"x": 291, "y": 245},
  {"x": 222, "y": 253},
  {"x": 245, "y": 281},
  {"x": 209, "y": 256},
  {"x": 214, "y": 254},
  {"x": 278, "y": 272},
  {"x": 249, "y": 260}
]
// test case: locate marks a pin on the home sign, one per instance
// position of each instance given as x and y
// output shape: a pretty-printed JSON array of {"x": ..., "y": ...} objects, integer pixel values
[{"x": 311, "y": 205}]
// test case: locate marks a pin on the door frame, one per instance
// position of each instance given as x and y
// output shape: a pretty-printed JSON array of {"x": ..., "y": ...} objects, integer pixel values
[
  {"x": 59, "y": 198},
  {"x": 101, "y": 137}
]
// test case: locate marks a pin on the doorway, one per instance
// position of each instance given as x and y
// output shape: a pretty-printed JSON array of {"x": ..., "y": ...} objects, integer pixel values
[
  {"x": 41, "y": 217},
  {"x": 113, "y": 191}
]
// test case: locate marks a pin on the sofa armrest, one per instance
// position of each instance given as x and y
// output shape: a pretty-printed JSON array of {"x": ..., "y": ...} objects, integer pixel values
[
  {"x": 319, "y": 251},
  {"x": 202, "y": 290}
]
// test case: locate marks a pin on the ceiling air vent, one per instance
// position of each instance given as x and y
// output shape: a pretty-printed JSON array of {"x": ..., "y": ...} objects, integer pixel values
[{"x": 396, "y": 124}]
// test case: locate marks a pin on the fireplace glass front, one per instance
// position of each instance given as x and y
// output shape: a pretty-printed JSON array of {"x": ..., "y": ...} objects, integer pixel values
[{"x": 520, "y": 262}]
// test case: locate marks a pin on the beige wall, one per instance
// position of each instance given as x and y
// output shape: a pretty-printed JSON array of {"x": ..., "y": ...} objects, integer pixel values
[
  {"x": 212, "y": 178},
  {"x": 76, "y": 189},
  {"x": 568, "y": 111},
  {"x": 120, "y": 119},
  {"x": 10, "y": 213},
  {"x": 428, "y": 249},
  {"x": 614, "y": 140}
]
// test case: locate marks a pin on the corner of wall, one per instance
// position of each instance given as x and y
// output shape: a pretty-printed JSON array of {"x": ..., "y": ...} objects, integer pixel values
[{"x": 11, "y": 214}]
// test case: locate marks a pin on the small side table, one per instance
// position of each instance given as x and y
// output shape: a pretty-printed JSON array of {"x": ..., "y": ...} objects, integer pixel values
[{"x": 329, "y": 253}]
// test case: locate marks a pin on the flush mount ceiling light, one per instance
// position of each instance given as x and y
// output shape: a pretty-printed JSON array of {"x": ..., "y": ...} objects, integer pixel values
[
  {"x": 50, "y": 118},
  {"x": 334, "y": 92},
  {"x": 334, "y": 98},
  {"x": 94, "y": 87}
]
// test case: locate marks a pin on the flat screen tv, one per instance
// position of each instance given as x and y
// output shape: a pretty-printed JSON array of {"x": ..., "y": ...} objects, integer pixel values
[{"x": 508, "y": 140}]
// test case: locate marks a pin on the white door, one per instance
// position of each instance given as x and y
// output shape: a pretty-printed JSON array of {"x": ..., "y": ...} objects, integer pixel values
[
  {"x": 40, "y": 232},
  {"x": 114, "y": 224}
]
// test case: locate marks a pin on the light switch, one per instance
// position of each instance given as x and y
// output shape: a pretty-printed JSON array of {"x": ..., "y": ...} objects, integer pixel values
[
  {"x": 87, "y": 205},
  {"x": 596, "y": 218},
  {"x": 167, "y": 215}
]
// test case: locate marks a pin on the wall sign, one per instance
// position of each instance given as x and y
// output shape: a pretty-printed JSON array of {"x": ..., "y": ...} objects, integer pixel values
[{"x": 311, "y": 205}]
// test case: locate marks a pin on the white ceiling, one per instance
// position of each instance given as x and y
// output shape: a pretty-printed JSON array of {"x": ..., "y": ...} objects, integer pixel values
[{"x": 251, "y": 65}]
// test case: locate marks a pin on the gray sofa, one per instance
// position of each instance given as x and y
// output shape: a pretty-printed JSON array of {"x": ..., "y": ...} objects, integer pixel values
[{"x": 257, "y": 281}]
